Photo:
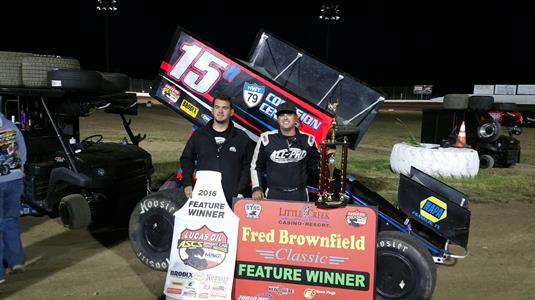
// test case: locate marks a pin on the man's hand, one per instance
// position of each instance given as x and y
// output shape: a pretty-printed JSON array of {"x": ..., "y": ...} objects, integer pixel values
[
  {"x": 258, "y": 195},
  {"x": 188, "y": 190}
]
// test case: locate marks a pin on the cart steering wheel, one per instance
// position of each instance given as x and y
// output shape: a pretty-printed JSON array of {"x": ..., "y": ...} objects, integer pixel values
[{"x": 92, "y": 139}]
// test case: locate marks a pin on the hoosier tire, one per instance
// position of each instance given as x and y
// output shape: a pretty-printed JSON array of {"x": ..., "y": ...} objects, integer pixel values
[
  {"x": 74, "y": 211},
  {"x": 405, "y": 268},
  {"x": 151, "y": 227},
  {"x": 486, "y": 161},
  {"x": 75, "y": 80}
]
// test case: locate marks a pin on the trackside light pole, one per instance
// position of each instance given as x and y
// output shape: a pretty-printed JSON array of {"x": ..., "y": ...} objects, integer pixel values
[
  {"x": 107, "y": 8},
  {"x": 330, "y": 13}
]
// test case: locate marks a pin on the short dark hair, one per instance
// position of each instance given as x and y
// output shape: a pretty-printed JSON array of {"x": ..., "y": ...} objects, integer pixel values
[{"x": 224, "y": 98}]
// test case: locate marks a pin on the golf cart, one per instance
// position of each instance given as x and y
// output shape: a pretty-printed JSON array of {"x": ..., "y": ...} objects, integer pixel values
[
  {"x": 413, "y": 236},
  {"x": 81, "y": 180}
]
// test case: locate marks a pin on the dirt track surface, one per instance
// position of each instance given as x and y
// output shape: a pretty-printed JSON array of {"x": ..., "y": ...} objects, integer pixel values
[{"x": 84, "y": 264}]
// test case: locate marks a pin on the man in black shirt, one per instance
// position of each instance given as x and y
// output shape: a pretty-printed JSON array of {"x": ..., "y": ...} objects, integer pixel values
[
  {"x": 219, "y": 146},
  {"x": 286, "y": 157}
]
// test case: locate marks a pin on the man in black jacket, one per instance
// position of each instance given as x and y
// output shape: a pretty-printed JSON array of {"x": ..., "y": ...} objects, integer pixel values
[
  {"x": 286, "y": 156},
  {"x": 219, "y": 146}
]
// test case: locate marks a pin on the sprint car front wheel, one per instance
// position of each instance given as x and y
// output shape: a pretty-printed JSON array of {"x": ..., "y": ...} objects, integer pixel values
[
  {"x": 405, "y": 269},
  {"x": 151, "y": 227}
]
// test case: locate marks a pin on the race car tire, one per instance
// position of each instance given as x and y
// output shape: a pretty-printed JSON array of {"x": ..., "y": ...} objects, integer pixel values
[
  {"x": 434, "y": 160},
  {"x": 115, "y": 82},
  {"x": 486, "y": 161},
  {"x": 455, "y": 101},
  {"x": 75, "y": 80},
  {"x": 504, "y": 106},
  {"x": 489, "y": 131},
  {"x": 405, "y": 268},
  {"x": 151, "y": 227},
  {"x": 74, "y": 211},
  {"x": 480, "y": 103},
  {"x": 11, "y": 66},
  {"x": 35, "y": 68}
]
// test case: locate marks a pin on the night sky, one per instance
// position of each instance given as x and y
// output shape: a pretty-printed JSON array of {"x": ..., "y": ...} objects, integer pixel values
[{"x": 382, "y": 43}]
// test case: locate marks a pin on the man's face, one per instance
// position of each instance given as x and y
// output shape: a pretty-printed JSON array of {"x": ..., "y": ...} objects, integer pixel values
[
  {"x": 221, "y": 111},
  {"x": 286, "y": 120}
]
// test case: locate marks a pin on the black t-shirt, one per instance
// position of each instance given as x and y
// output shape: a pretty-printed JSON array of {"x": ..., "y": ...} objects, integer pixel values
[{"x": 220, "y": 137}]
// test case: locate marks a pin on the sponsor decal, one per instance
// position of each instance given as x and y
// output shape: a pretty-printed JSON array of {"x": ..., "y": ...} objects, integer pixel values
[
  {"x": 171, "y": 93},
  {"x": 206, "y": 118},
  {"x": 252, "y": 210},
  {"x": 269, "y": 108},
  {"x": 280, "y": 290},
  {"x": 356, "y": 218},
  {"x": 433, "y": 209},
  {"x": 252, "y": 94},
  {"x": 309, "y": 293},
  {"x": 262, "y": 296},
  {"x": 202, "y": 248},
  {"x": 287, "y": 155},
  {"x": 191, "y": 293},
  {"x": 307, "y": 216},
  {"x": 181, "y": 274},
  {"x": 292, "y": 255},
  {"x": 190, "y": 109},
  {"x": 59, "y": 159},
  {"x": 175, "y": 291}
]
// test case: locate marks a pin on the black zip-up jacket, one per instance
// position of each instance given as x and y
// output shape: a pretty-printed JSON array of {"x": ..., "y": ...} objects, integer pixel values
[
  {"x": 232, "y": 159},
  {"x": 286, "y": 162}
]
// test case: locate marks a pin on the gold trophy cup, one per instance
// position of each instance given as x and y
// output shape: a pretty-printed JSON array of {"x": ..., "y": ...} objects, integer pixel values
[{"x": 329, "y": 196}]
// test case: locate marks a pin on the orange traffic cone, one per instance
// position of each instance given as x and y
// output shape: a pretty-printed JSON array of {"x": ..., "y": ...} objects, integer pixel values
[{"x": 461, "y": 138}]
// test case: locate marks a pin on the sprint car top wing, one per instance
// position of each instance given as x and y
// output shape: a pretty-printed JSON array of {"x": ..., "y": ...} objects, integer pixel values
[{"x": 193, "y": 72}]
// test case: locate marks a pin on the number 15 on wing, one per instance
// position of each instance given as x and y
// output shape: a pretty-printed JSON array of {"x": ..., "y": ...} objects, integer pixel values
[{"x": 199, "y": 69}]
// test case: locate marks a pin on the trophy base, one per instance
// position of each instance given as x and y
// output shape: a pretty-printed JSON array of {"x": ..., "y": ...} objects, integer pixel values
[{"x": 330, "y": 201}]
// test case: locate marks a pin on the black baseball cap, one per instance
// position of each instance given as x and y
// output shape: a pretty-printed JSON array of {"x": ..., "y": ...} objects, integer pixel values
[{"x": 286, "y": 107}]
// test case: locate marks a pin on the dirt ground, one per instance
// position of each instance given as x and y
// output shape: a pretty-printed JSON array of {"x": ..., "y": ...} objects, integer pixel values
[{"x": 99, "y": 264}]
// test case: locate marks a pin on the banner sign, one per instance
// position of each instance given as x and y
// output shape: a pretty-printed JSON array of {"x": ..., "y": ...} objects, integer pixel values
[
  {"x": 294, "y": 250},
  {"x": 505, "y": 89},
  {"x": 483, "y": 89},
  {"x": 203, "y": 252},
  {"x": 193, "y": 73},
  {"x": 423, "y": 89}
]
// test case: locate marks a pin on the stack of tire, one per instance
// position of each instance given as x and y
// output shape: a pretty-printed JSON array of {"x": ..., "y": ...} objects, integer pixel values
[
  {"x": 28, "y": 70},
  {"x": 494, "y": 148}
]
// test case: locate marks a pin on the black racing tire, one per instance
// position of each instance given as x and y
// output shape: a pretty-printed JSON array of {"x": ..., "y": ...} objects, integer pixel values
[
  {"x": 75, "y": 80},
  {"x": 486, "y": 161},
  {"x": 35, "y": 68},
  {"x": 504, "y": 106},
  {"x": 115, "y": 82},
  {"x": 151, "y": 227},
  {"x": 455, "y": 101},
  {"x": 11, "y": 66},
  {"x": 405, "y": 268},
  {"x": 74, "y": 211},
  {"x": 489, "y": 131},
  {"x": 480, "y": 103}
]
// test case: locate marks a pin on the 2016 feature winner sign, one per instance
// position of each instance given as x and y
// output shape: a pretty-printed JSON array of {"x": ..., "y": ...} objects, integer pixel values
[
  {"x": 203, "y": 252},
  {"x": 294, "y": 250}
]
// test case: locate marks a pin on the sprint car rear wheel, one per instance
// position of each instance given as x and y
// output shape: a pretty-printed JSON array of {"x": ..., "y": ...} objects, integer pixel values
[
  {"x": 151, "y": 227},
  {"x": 405, "y": 269}
]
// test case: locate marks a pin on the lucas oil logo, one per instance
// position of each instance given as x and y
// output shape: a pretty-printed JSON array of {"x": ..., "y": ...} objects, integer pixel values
[
  {"x": 171, "y": 93},
  {"x": 202, "y": 248},
  {"x": 433, "y": 209},
  {"x": 252, "y": 94}
]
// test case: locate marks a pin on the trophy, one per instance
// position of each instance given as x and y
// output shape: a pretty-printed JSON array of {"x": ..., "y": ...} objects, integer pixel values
[{"x": 331, "y": 196}]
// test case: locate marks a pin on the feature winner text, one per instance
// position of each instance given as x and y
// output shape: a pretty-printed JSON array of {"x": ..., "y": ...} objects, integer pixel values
[
  {"x": 206, "y": 209},
  {"x": 344, "y": 279}
]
